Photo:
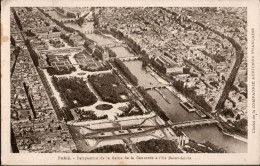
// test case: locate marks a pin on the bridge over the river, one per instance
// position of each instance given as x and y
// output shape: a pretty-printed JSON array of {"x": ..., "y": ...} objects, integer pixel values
[
  {"x": 194, "y": 123},
  {"x": 67, "y": 20},
  {"x": 129, "y": 58},
  {"x": 111, "y": 45},
  {"x": 148, "y": 87}
]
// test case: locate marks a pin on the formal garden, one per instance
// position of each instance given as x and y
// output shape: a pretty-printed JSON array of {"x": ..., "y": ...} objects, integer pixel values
[
  {"x": 74, "y": 91},
  {"x": 109, "y": 87}
]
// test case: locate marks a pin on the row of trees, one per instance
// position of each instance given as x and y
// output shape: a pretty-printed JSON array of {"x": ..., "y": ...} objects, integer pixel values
[
  {"x": 13, "y": 42},
  {"x": 207, "y": 148},
  {"x": 158, "y": 146},
  {"x": 61, "y": 113},
  {"x": 16, "y": 52},
  {"x": 118, "y": 148},
  {"x": 54, "y": 71},
  {"x": 152, "y": 104},
  {"x": 17, "y": 19},
  {"x": 109, "y": 88},
  {"x": 126, "y": 72},
  {"x": 75, "y": 92},
  {"x": 95, "y": 68},
  {"x": 33, "y": 54}
]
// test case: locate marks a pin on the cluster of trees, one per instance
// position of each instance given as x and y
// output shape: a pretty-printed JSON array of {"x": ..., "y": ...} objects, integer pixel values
[
  {"x": 228, "y": 112},
  {"x": 63, "y": 36},
  {"x": 88, "y": 115},
  {"x": 80, "y": 21},
  {"x": 241, "y": 123},
  {"x": 158, "y": 146},
  {"x": 177, "y": 131},
  {"x": 109, "y": 88},
  {"x": 129, "y": 111},
  {"x": 190, "y": 92},
  {"x": 239, "y": 128},
  {"x": 118, "y": 148},
  {"x": 152, "y": 104},
  {"x": 55, "y": 29},
  {"x": 71, "y": 15},
  {"x": 112, "y": 54},
  {"x": 29, "y": 33},
  {"x": 218, "y": 58},
  {"x": 122, "y": 67},
  {"x": 29, "y": 9},
  {"x": 207, "y": 148},
  {"x": 33, "y": 54},
  {"x": 214, "y": 83},
  {"x": 90, "y": 68},
  {"x": 75, "y": 92},
  {"x": 67, "y": 38}
]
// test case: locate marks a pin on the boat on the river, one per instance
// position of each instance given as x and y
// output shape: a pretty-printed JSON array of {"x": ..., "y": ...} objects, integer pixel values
[
  {"x": 187, "y": 106},
  {"x": 201, "y": 114}
]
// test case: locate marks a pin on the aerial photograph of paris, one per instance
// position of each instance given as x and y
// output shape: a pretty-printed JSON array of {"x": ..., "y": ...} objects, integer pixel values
[{"x": 128, "y": 80}]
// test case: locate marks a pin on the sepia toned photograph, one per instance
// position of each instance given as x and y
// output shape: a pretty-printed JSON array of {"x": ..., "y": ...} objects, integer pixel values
[
  {"x": 130, "y": 80},
  {"x": 123, "y": 80}
]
